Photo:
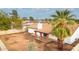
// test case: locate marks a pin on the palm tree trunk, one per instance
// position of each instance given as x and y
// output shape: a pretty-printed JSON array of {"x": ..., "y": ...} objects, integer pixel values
[{"x": 60, "y": 45}]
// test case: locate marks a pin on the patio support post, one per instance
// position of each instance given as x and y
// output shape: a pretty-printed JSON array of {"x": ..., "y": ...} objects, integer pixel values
[
  {"x": 47, "y": 35},
  {"x": 41, "y": 34},
  {"x": 35, "y": 34}
]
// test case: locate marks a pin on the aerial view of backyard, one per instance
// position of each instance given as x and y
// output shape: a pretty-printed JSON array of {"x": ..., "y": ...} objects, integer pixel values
[{"x": 39, "y": 29}]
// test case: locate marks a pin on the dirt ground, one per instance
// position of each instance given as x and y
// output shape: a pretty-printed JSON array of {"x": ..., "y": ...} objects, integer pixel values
[
  {"x": 24, "y": 41},
  {"x": 19, "y": 42}
]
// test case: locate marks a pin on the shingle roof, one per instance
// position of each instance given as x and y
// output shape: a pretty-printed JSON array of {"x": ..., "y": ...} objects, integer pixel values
[{"x": 46, "y": 27}]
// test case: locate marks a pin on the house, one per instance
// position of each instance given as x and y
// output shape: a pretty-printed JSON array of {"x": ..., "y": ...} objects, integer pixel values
[
  {"x": 43, "y": 29},
  {"x": 40, "y": 29},
  {"x": 26, "y": 24},
  {"x": 32, "y": 27}
]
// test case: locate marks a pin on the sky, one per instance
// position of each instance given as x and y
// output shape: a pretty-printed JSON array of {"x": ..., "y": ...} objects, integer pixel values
[{"x": 39, "y": 13}]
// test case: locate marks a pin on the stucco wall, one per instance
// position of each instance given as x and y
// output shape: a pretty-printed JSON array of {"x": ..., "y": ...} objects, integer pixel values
[{"x": 11, "y": 31}]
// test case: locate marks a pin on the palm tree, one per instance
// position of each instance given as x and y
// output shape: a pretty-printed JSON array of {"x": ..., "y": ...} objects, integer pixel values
[
  {"x": 61, "y": 32},
  {"x": 63, "y": 14},
  {"x": 60, "y": 22}
]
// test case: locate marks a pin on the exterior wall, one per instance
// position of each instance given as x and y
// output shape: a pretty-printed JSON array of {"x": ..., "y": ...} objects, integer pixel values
[
  {"x": 52, "y": 37},
  {"x": 38, "y": 34},
  {"x": 11, "y": 31},
  {"x": 24, "y": 27},
  {"x": 72, "y": 38},
  {"x": 40, "y": 26},
  {"x": 30, "y": 30}
]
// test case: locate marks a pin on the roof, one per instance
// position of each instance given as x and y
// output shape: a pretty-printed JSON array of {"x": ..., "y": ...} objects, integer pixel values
[
  {"x": 34, "y": 25},
  {"x": 47, "y": 28},
  {"x": 28, "y": 22}
]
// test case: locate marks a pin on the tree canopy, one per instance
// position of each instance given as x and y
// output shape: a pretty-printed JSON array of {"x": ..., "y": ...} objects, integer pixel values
[
  {"x": 61, "y": 20},
  {"x": 7, "y": 21}
]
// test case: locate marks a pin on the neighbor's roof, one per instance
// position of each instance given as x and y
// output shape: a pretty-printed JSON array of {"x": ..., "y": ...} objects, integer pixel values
[
  {"x": 34, "y": 25},
  {"x": 47, "y": 28}
]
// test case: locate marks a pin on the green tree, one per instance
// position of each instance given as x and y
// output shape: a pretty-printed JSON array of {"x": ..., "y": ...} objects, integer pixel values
[
  {"x": 14, "y": 14},
  {"x": 16, "y": 21},
  {"x": 60, "y": 22},
  {"x": 63, "y": 14},
  {"x": 24, "y": 18},
  {"x": 31, "y": 18},
  {"x": 4, "y": 21}
]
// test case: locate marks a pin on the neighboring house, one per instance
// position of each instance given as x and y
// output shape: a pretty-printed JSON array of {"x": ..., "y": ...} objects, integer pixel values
[
  {"x": 41, "y": 29},
  {"x": 32, "y": 27},
  {"x": 26, "y": 24}
]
